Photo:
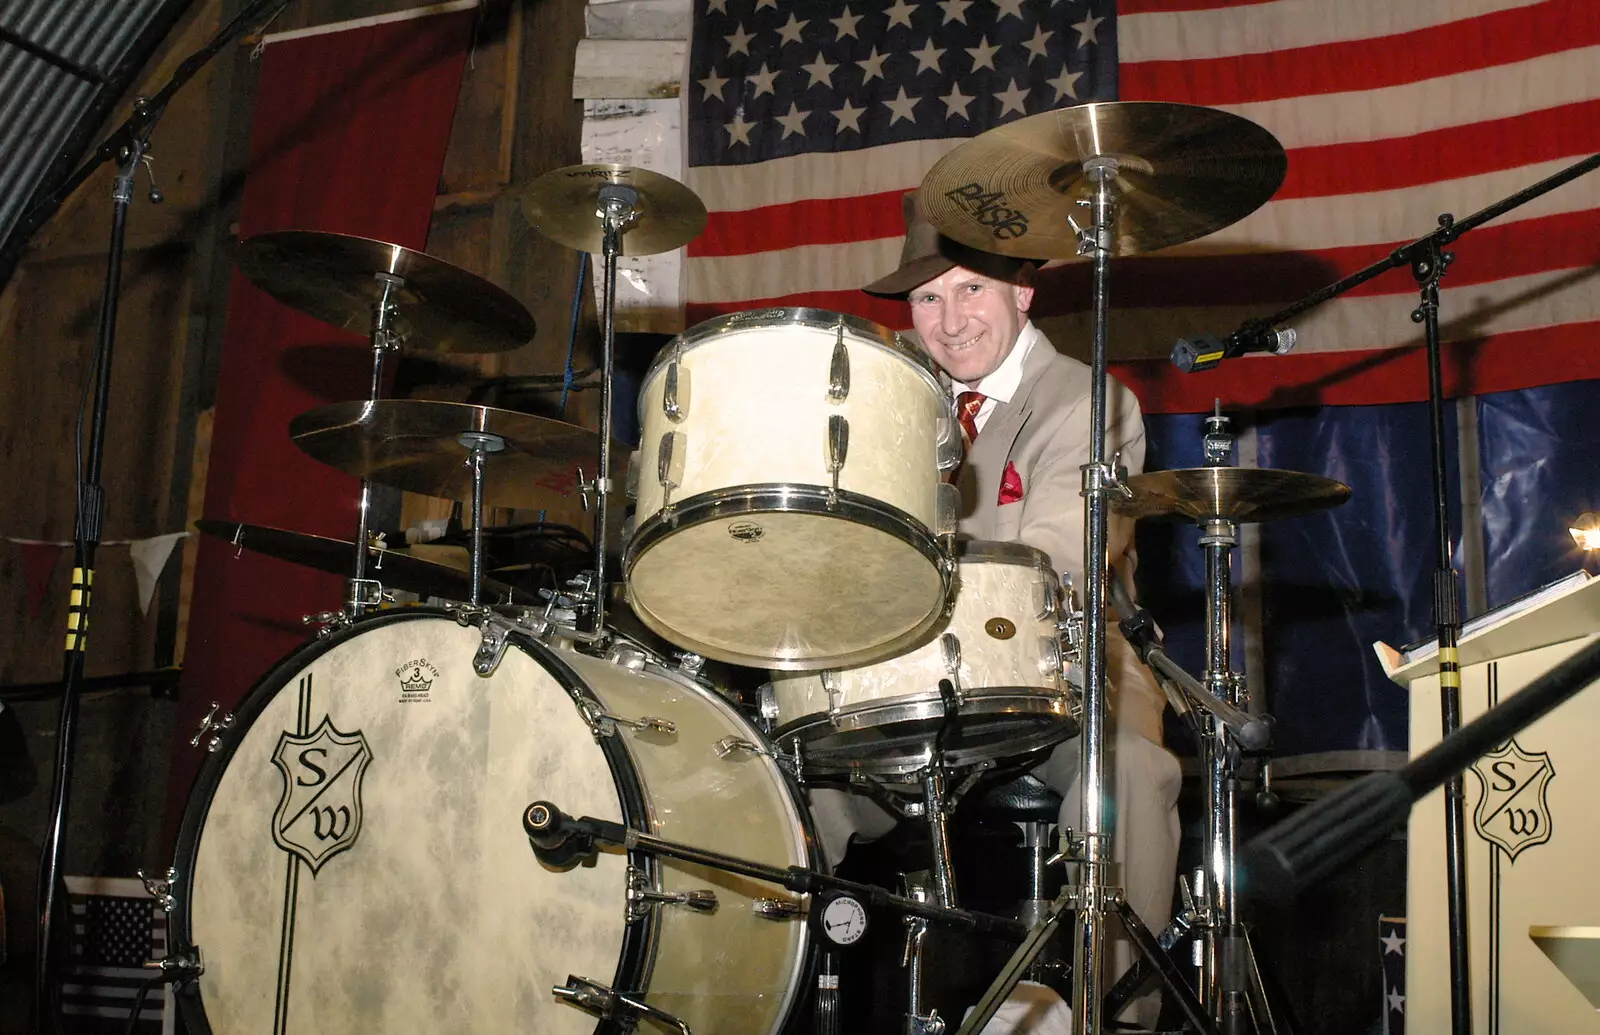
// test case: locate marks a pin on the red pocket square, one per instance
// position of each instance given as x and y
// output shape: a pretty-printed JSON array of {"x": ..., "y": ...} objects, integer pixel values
[{"x": 1010, "y": 485}]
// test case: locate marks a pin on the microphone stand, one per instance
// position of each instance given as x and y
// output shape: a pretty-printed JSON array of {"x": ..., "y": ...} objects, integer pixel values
[
  {"x": 129, "y": 145},
  {"x": 1427, "y": 260}
]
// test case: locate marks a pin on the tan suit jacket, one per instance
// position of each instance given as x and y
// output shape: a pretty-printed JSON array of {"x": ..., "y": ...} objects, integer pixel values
[{"x": 1044, "y": 432}]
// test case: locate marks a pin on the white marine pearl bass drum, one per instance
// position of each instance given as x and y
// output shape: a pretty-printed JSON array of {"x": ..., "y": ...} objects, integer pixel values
[
  {"x": 789, "y": 505},
  {"x": 353, "y": 858}
]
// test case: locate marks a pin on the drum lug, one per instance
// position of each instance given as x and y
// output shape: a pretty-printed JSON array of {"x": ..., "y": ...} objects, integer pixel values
[
  {"x": 775, "y": 908},
  {"x": 767, "y": 706},
  {"x": 212, "y": 722},
  {"x": 950, "y": 652},
  {"x": 838, "y": 450},
  {"x": 839, "y": 369},
  {"x": 669, "y": 467},
  {"x": 728, "y": 745},
  {"x": 327, "y": 622},
  {"x": 641, "y": 897},
  {"x": 160, "y": 888},
  {"x": 675, "y": 394},
  {"x": 946, "y": 510},
  {"x": 604, "y": 724},
  {"x": 947, "y": 434},
  {"x": 604, "y": 1003}
]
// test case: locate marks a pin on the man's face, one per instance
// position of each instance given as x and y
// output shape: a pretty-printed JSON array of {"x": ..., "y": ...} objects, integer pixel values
[{"x": 969, "y": 322}]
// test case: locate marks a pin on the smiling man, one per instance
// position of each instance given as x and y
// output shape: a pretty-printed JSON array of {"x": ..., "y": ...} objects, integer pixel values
[{"x": 1024, "y": 410}]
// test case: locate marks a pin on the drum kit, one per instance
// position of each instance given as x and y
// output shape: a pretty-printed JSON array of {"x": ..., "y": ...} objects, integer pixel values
[{"x": 506, "y": 814}]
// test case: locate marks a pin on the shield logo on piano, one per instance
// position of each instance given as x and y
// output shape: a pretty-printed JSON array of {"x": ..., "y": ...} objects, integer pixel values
[
  {"x": 1514, "y": 808},
  {"x": 319, "y": 815}
]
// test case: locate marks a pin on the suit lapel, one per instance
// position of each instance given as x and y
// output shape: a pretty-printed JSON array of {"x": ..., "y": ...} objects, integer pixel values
[{"x": 986, "y": 463}]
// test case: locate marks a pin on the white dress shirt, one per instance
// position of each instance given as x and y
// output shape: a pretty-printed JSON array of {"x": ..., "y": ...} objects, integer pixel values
[{"x": 1002, "y": 384}]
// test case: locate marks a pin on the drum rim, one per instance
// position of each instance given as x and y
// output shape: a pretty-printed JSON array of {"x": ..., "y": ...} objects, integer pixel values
[
  {"x": 635, "y": 957},
  {"x": 723, "y": 503},
  {"x": 839, "y": 762},
  {"x": 875, "y": 334}
]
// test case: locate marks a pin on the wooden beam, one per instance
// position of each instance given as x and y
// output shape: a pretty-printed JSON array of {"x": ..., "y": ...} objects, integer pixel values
[
  {"x": 638, "y": 20},
  {"x": 629, "y": 68}
]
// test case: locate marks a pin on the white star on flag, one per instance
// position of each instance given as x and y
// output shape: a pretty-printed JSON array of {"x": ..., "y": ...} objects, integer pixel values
[
  {"x": 849, "y": 116},
  {"x": 955, "y": 10},
  {"x": 1036, "y": 46},
  {"x": 872, "y": 66},
  {"x": 1066, "y": 83},
  {"x": 790, "y": 32},
  {"x": 1396, "y": 1001},
  {"x": 739, "y": 130},
  {"x": 1011, "y": 8},
  {"x": 1013, "y": 99},
  {"x": 1392, "y": 942},
  {"x": 955, "y": 102},
  {"x": 846, "y": 24},
  {"x": 821, "y": 71},
  {"x": 899, "y": 14},
  {"x": 902, "y": 107},
  {"x": 983, "y": 54},
  {"x": 762, "y": 81},
  {"x": 1086, "y": 29},
  {"x": 794, "y": 122},
  {"x": 927, "y": 58},
  {"x": 712, "y": 85},
  {"x": 739, "y": 41},
  {"x": 719, "y": 6}
]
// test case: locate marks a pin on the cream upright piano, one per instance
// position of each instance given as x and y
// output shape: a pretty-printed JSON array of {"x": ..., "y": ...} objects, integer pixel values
[{"x": 1532, "y": 830}]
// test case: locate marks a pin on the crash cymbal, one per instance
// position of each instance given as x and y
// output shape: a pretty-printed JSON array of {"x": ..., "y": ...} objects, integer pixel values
[
  {"x": 395, "y": 568},
  {"x": 562, "y": 205},
  {"x": 414, "y": 444},
  {"x": 1183, "y": 171},
  {"x": 334, "y": 277},
  {"x": 1229, "y": 493}
]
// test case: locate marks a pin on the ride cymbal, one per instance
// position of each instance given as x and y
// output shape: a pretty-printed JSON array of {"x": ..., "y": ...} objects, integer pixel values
[
  {"x": 1244, "y": 494},
  {"x": 395, "y": 568},
  {"x": 439, "y": 307},
  {"x": 1182, "y": 171},
  {"x": 563, "y": 205},
  {"x": 414, "y": 444}
]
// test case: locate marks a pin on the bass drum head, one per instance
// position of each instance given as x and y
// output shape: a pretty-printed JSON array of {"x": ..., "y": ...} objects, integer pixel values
[
  {"x": 354, "y": 859},
  {"x": 785, "y": 590}
]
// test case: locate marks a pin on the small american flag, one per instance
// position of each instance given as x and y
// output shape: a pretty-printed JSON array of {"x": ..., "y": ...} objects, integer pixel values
[
  {"x": 116, "y": 928},
  {"x": 809, "y": 118},
  {"x": 1392, "y": 955}
]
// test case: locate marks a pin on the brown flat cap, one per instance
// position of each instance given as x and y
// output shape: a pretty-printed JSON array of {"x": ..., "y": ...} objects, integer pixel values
[{"x": 927, "y": 254}]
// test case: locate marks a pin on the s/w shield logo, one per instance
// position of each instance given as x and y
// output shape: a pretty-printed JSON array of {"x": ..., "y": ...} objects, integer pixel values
[
  {"x": 1514, "y": 809},
  {"x": 319, "y": 815}
]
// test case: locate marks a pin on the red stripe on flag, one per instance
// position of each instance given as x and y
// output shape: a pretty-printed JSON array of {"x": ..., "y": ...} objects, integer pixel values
[
  {"x": 1497, "y": 363},
  {"x": 1501, "y": 38},
  {"x": 1442, "y": 154},
  {"x": 1490, "y": 253},
  {"x": 795, "y": 224}
]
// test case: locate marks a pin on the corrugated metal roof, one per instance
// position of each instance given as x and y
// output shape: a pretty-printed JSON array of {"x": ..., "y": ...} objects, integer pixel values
[{"x": 63, "y": 65}]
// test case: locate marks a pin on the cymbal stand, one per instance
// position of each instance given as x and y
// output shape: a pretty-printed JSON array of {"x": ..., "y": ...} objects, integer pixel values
[
  {"x": 617, "y": 213},
  {"x": 478, "y": 444},
  {"x": 361, "y": 592},
  {"x": 1095, "y": 893}
]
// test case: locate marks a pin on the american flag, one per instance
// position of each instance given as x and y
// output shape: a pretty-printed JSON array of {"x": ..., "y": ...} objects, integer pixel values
[
  {"x": 1391, "y": 113},
  {"x": 809, "y": 118},
  {"x": 116, "y": 928},
  {"x": 1392, "y": 956}
]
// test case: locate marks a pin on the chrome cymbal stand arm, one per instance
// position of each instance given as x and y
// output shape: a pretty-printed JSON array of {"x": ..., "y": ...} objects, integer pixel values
[
  {"x": 478, "y": 444},
  {"x": 358, "y": 596},
  {"x": 1097, "y": 894},
  {"x": 617, "y": 213}
]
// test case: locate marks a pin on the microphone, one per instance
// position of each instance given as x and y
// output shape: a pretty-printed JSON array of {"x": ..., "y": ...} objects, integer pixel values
[{"x": 1204, "y": 351}]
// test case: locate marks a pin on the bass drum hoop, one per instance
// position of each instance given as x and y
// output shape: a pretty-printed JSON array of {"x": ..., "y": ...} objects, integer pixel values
[{"x": 638, "y": 940}]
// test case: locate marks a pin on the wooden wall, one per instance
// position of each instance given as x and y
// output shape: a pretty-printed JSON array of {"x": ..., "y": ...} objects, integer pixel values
[{"x": 516, "y": 118}]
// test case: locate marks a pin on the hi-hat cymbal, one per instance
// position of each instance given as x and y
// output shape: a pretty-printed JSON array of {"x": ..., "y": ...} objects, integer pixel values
[
  {"x": 414, "y": 444},
  {"x": 1182, "y": 172},
  {"x": 1229, "y": 493},
  {"x": 396, "y": 568},
  {"x": 563, "y": 206},
  {"x": 334, "y": 277}
]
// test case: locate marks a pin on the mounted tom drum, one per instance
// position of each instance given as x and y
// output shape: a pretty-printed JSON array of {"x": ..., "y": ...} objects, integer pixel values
[{"x": 789, "y": 500}]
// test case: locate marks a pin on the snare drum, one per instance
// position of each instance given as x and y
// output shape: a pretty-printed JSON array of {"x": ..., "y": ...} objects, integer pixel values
[
  {"x": 1001, "y": 649},
  {"x": 789, "y": 499},
  {"x": 353, "y": 858}
]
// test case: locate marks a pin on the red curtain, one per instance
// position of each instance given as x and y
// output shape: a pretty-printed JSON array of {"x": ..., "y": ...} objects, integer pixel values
[{"x": 349, "y": 135}]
